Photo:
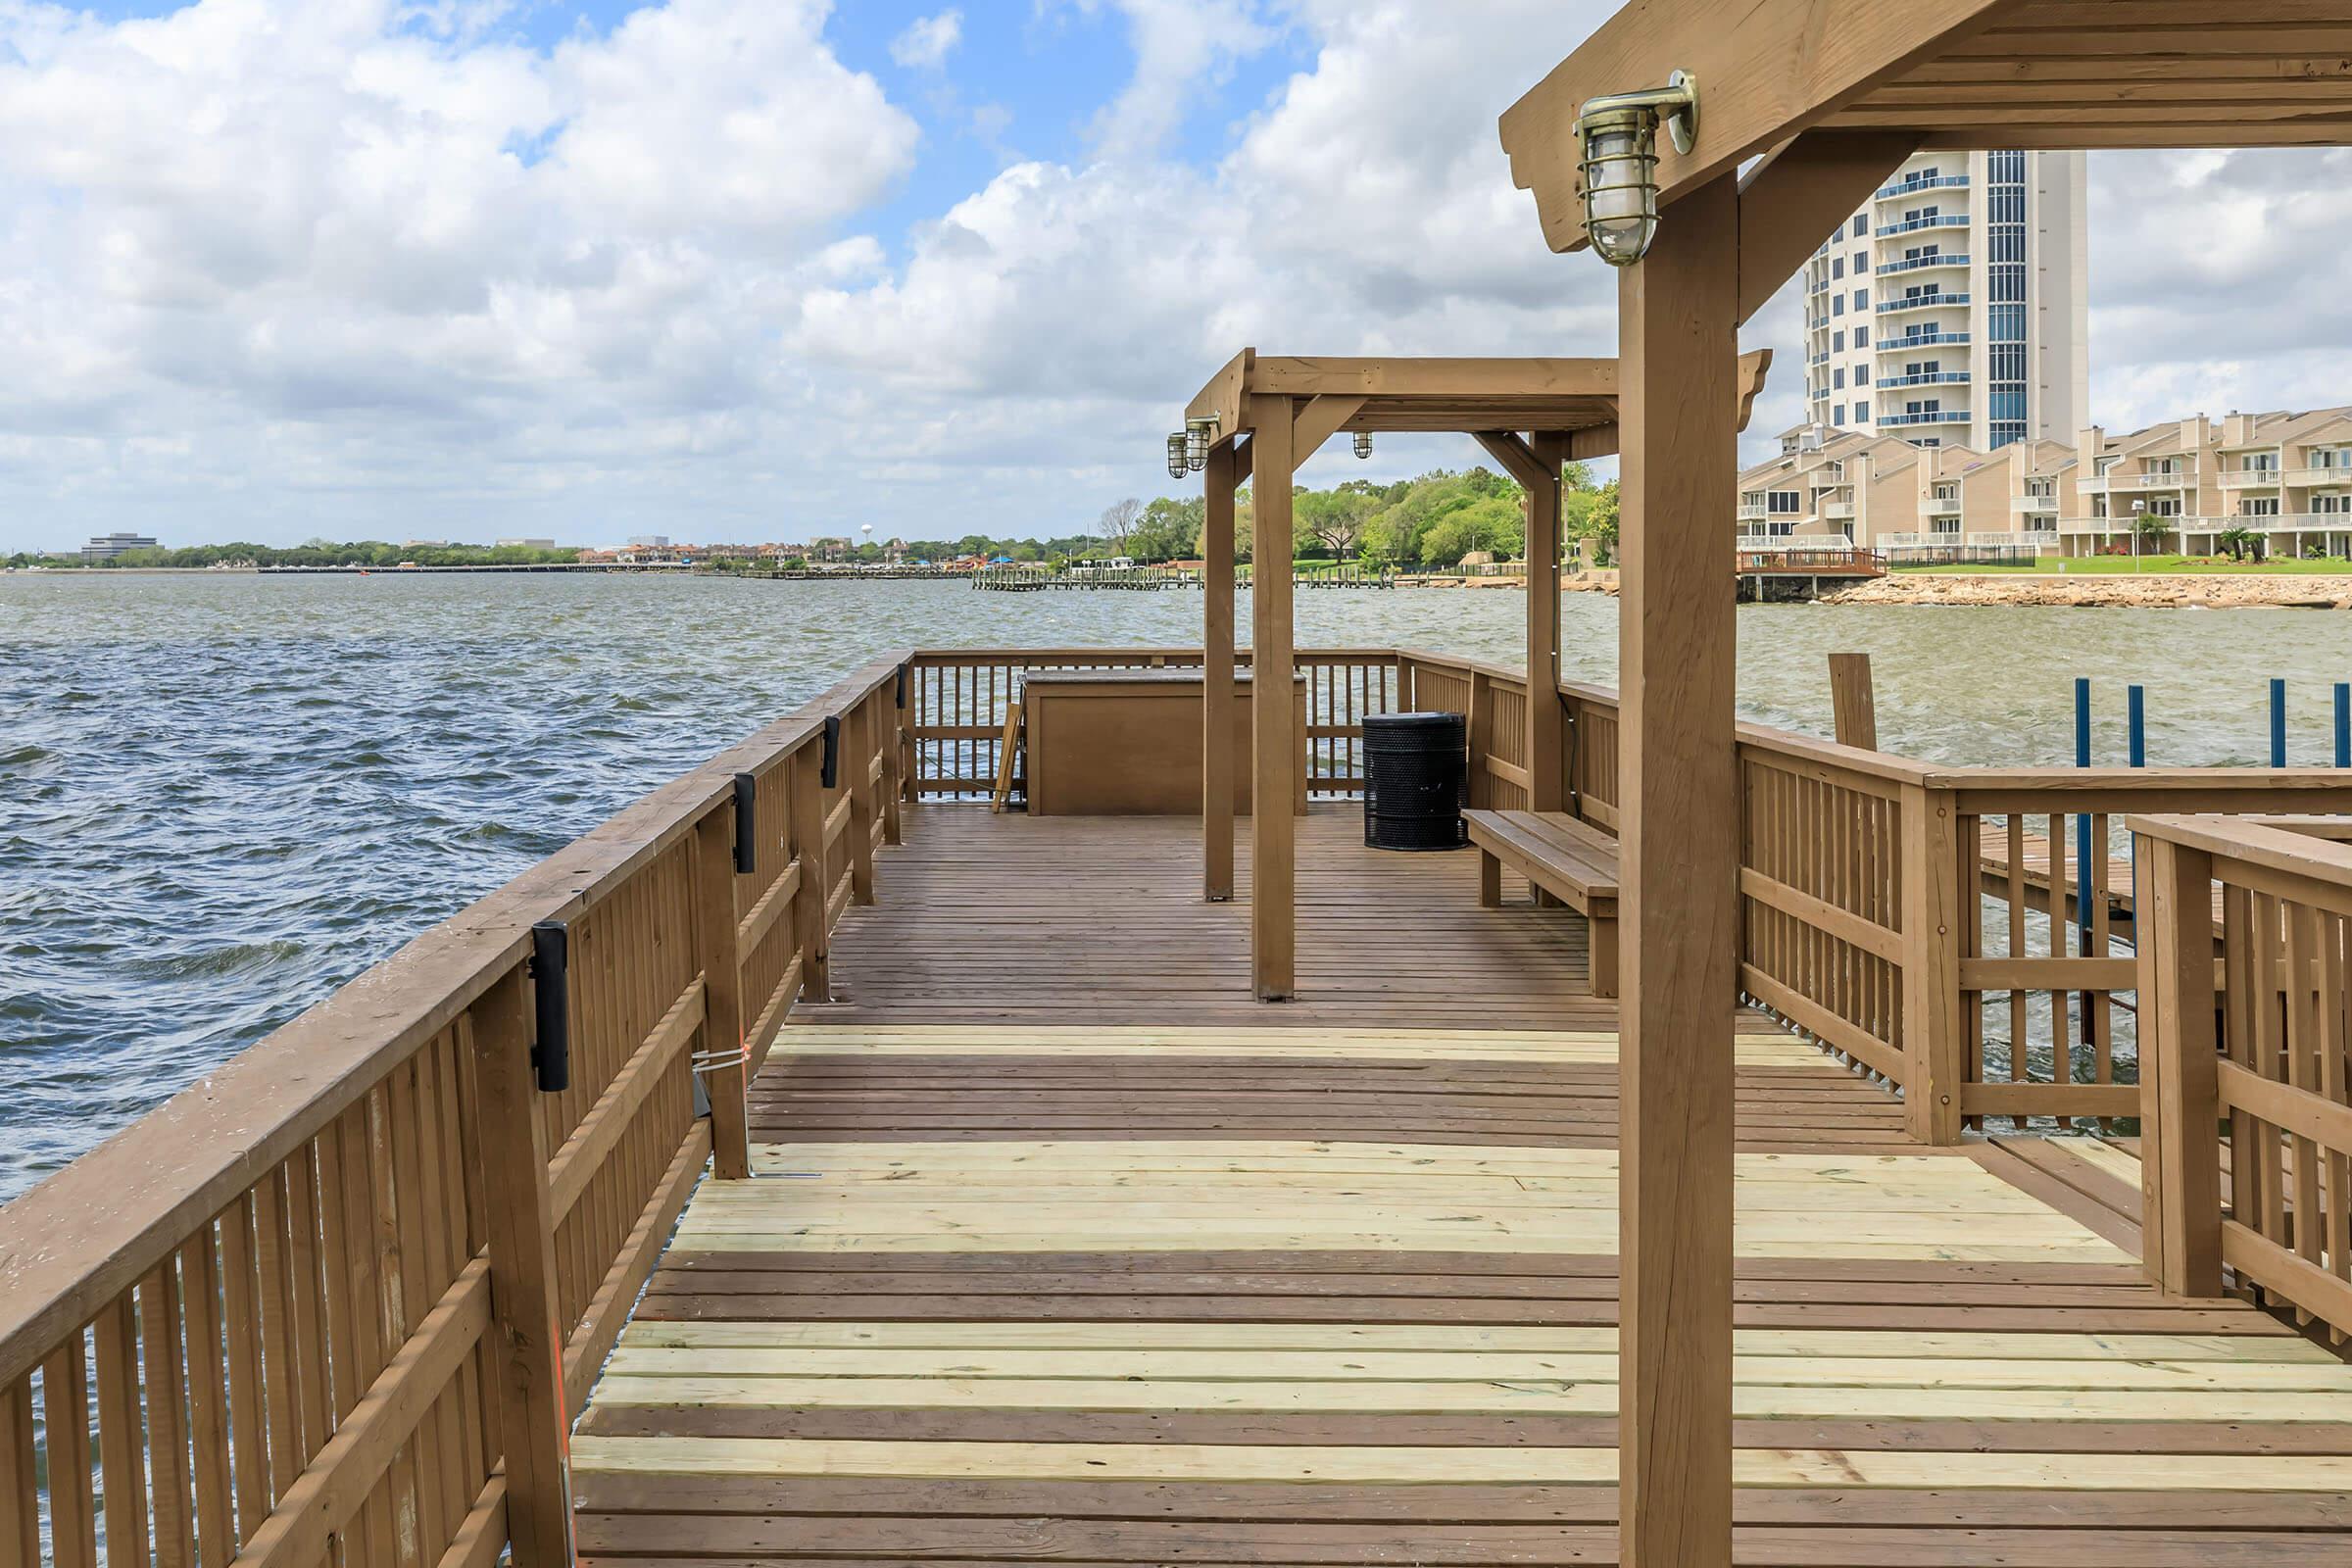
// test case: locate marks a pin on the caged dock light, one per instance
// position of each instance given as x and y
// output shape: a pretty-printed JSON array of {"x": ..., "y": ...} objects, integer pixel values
[
  {"x": 1198, "y": 436},
  {"x": 1617, "y": 137},
  {"x": 1363, "y": 444},
  {"x": 1178, "y": 464}
]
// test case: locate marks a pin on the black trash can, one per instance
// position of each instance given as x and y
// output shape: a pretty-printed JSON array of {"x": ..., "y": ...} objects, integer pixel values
[{"x": 1416, "y": 781}]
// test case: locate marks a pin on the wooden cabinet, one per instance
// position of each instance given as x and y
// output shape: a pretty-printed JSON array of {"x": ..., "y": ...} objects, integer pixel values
[{"x": 1127, "y": 743}]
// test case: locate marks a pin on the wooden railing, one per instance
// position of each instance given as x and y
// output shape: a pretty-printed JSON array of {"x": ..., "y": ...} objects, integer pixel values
[
  {"x": 2247, "y": 1125},
  {"x": 957, "y": 708},
  {"x": 334, "y": 1303},
  {"x": 1928, "y": 925}
]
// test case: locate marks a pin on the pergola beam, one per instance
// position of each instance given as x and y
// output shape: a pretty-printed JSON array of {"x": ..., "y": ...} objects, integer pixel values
[
  {"x": 1766, "y": 70},
  {"x": 1274, "y": 730},
  {"x": 1227, "y": 462}
]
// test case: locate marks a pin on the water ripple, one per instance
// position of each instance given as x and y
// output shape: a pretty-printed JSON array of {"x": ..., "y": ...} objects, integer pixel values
[{"x": 221, "y": 797}]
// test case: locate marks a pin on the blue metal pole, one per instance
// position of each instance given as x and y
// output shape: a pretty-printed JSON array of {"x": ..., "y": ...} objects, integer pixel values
[
  {"x": 2343, "y": 723},
  {"x": 2136, "y": 699},
  {"x": 2082, "y": 889},
  {"x": 2277, "y": 722}
]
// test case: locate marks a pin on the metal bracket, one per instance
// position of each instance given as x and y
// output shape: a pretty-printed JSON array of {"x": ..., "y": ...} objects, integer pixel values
[
  {"x": 831, "y": 772},
  {"x": 551, "y": 973},
  {"x": 747, "y": 824},
  {"x": 901, "y": 694}
]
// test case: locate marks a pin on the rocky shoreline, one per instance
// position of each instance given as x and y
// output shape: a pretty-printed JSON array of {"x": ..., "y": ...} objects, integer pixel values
[{"x": 2150, "y": 592}]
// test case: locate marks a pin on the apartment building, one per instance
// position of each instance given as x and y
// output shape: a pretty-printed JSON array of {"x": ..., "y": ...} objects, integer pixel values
[
  {"x": 1953, "y": 308},
  {"x": 2285, "y": 478},
  {"x": 1831, "y": 487}
]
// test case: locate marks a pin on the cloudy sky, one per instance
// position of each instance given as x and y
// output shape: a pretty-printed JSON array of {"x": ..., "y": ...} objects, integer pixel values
[{"x": 759, "y": 269}]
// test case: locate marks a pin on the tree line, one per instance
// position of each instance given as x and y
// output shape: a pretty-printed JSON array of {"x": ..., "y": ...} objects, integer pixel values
[{"x": 1432, "y": 520}]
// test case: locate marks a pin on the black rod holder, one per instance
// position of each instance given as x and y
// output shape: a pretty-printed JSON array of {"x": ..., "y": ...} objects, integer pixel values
[
  {"x": 747, "y": 824},
  {"x": 901, "y": 694},
  {"x": 831, "y": 772},
  {"x": 551, "y": 972}
]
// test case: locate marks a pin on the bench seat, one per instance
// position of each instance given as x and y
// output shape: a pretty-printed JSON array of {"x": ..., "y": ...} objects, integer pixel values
[{"x": 1573, "y": 861}]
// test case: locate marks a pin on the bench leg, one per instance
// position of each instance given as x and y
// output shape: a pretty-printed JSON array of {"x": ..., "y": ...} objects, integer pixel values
[
  {"x": 1605, "y": 956},
  {"x": 1490, "y": 880}
]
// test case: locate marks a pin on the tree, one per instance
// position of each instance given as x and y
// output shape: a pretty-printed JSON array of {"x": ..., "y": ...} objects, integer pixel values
[
  {"x": 1168, "y": 528},
  {"x": 1116, "y": 526},
  {"x": 1336, "y": 520},
  {"x": 2147, "y": 528}
]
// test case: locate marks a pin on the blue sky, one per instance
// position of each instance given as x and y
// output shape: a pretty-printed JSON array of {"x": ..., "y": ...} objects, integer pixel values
[{"x": 755, "y": 269}]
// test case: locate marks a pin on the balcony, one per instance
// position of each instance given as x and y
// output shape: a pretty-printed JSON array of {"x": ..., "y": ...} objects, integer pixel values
[
  {"x": 2031, "y": 504},
  {"x": 2249, "y": 479},
  {"x": 1922, "y": 302},
  {"x": 1913, "y": 264},
  {"x": 1940, "y": 416},
  {"x": 1912, "y": 187},
  {"x": 2341, "y": 474},
  {"x": 1751, "y": 511},
  {"x": 1920, "y": 340},
  {"x": 1943, "y": 506},
  {"x": 1840, "y": 510},
  {"x": 1927, "y": 378},
  {"x": 1908, "y": 224}
]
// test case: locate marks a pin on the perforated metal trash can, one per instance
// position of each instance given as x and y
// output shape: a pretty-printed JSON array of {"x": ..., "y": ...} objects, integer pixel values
[{"x": 1416, "y": 781}]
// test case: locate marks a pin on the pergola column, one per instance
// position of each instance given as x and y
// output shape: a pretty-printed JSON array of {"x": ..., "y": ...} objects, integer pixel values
[
  {"x": 1273, "y": 844},
  {"x": 1222, "y": 477},
  {"x": 1547, "y": 771},
  {"x": 1678, "y": 326}
]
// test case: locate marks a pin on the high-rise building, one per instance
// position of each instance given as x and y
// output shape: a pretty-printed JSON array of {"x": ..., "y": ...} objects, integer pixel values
[{"x": 1953, "y": 308}]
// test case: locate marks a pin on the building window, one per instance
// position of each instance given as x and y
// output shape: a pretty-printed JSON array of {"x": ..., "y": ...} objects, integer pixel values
[
  {"x": 2005, "y": 290},
  {"x": 1861, "y": 338},
  {"x": 1789, "y": 502},
  {"x": 2259, "y": 507},
  {"x": 1837, "y": 341},
  {"x": 1837, "y": 379},
  {"x": 1861, "y": 413},
  {"x": 1861, "y": 224},
  {"x": 1837, "y": 413},
  {"x": 1861, "y": 262},
  {"x": 1944, "y": 526},
  {"x": 1861, "y": 299},
  {"x": 1861, "y": 375},
  {"x": 2261, "y": 463},
  {"x": 1838, "y": 266},
  {"x": 1836, "y": 305}
]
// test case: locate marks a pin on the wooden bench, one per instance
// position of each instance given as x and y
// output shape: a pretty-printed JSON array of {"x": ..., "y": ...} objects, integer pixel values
[{"x": 1574, "y": 861}]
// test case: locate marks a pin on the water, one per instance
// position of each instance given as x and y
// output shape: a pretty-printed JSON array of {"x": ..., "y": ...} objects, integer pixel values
[{"x": 220, "y": 797}]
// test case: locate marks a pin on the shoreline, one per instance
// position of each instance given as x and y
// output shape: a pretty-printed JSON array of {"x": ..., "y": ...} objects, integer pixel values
[{"x": 2153, "y": 591}]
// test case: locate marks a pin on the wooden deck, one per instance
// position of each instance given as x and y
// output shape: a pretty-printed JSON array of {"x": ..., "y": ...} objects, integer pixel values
[{"x": 1062, "y": 1248}]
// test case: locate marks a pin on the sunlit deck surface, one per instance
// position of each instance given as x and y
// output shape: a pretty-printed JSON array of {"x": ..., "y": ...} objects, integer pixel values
[{"x": 1062, "y": 1248}]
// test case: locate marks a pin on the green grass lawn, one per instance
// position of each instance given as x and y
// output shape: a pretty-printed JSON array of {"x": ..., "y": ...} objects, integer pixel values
[{"x": 2123, "y": 566}]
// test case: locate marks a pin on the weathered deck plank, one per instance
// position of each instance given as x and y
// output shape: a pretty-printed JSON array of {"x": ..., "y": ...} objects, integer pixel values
[{"x": 1060, "y": 1248}]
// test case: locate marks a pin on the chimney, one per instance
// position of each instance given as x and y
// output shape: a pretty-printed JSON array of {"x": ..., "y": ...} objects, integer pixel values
[{"x": 2238, "y": 429}]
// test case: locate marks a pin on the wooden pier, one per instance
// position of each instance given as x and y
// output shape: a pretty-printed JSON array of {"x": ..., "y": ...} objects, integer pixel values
[
  {"x": 1087, "y": 1256},
  {"x": 1019, "y": 1229}
]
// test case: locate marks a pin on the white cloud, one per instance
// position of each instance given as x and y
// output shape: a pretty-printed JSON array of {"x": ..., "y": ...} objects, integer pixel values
[
  {"x": 928, "y": 41},
  {"x": 276, "y": 268}
]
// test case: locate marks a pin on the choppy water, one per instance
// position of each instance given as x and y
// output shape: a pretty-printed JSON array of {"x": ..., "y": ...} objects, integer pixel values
[{"x": 220, "y": 797}]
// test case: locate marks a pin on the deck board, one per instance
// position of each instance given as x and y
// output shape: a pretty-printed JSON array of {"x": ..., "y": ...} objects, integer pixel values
[{"x": 1060, "y": 1248}]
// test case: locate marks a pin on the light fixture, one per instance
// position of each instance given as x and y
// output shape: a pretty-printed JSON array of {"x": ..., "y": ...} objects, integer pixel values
[
  {"x": 1198, "y": 436},
  {"x": 1363, "y": 444},
  {"x": 1618, "y": 139},
  {"x": 1178, "y": 466}
]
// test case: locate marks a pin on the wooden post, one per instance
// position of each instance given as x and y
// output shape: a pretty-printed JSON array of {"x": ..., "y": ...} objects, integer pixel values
[
  {"x": 1938, "y": 897},
  {"x": 716, "y": 926},
  {"x": 526, "y": 1343},
  {"x": 806, "y": 796},
  {"x": 2181, "y": 1229},
  {"x": 893, "y": 723},
  {"x": 1677, "y": 404},
  {"x": 1852, "y": 701},
  {"x": 856, "y": 777},
  {"x": 1546, "y": 789},
  {"x": 1273, "y": 845},
  {"x": 1216, "y": 675}
]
